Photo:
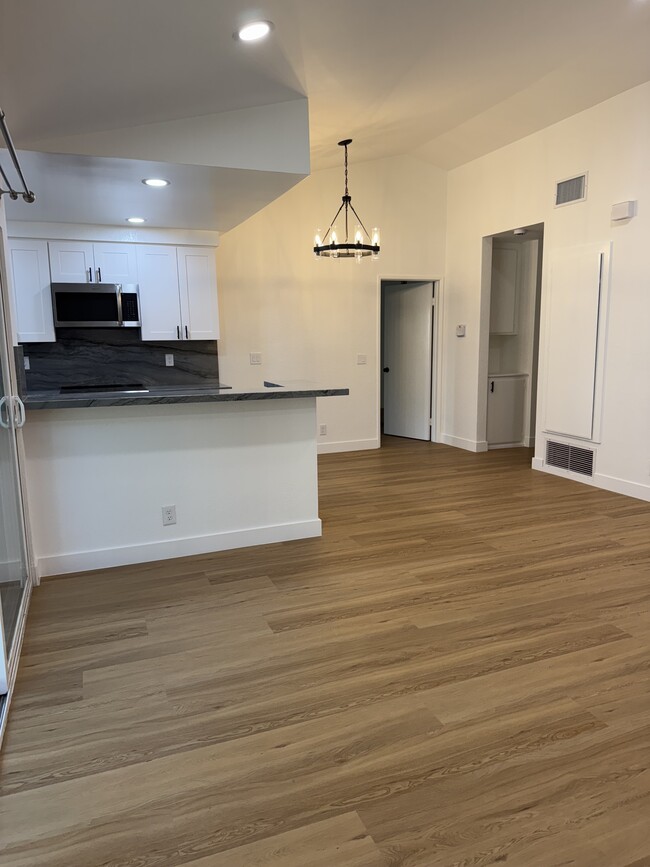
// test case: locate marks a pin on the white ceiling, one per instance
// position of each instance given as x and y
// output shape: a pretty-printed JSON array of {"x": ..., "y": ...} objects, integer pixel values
[{"x": 447, "y": 80}]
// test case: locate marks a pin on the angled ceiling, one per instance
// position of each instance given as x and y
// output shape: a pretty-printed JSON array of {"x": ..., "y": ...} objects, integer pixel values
[{"x": 446, "y": 80}]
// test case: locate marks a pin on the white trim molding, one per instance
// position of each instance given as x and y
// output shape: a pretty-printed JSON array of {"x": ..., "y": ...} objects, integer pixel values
[
  {"x": 598, "y": 480},
  {"x": 461, "y": 443},
  {"x": 348, "y": 446},
  {"x": 105, "y": 558}
]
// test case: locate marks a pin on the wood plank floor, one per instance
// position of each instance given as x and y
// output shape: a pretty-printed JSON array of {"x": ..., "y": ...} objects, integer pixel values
[{"x": 457, "y": 673}]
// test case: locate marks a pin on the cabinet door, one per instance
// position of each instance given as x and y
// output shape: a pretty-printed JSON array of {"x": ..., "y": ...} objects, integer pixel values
[
  {"x": 197, "y": 275},
  {"x": 115, "y": 263},
  {"x": 160, "y": 309},
  {"x": 30, "y": 271},
  {"x": 506, "y": 405},
  {"x": 71, "y": 262},
  {"x": 503, "y": 298}
]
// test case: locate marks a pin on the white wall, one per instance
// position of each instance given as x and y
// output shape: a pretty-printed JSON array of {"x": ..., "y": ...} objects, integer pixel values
[
  {"x": 311, "y": 318},
  {"x": 514, "y": 186}
]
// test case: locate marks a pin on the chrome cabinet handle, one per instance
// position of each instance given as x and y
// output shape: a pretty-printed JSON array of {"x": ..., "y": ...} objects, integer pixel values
[
  {"x": 19, "y": 417},
  {"x": 90, "y": 275},
  {"x": 187, "y": 335},
  {"x": 3, "y": 403}
]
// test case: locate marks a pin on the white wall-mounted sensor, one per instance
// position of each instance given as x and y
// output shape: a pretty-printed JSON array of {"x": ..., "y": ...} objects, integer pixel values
[
  {"x": 624, "y": 210},
  {"x": 460, "y": 331}
]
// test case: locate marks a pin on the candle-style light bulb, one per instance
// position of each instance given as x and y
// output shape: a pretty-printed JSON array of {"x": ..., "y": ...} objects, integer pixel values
[
  {"x": 358, "y": 235},
  {"x": 334, "y": 240},
  {"x": 376, "y": 241},
  {"x": 318, "y": 242}
]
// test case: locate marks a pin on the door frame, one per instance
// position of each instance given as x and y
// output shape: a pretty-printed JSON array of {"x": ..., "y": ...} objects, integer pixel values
[
  {"x": 7, "y": 335},
  {"x": 436, "y": 353},
  {"x": 484, "y": 329}
]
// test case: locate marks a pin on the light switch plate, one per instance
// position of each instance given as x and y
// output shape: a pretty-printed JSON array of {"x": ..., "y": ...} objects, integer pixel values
[
  {"x": 362, "y": 359},
  {"x": 460, "y": 331},
  {"x": 255, "y": 357}
]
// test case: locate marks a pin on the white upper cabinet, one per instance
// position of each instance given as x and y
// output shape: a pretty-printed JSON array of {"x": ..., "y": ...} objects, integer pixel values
[
  {"x": 160, "y": 309},
  {"x": 72, "y": 262},
  {"x": 84, "y": 262},
  {"x": 115, "y": 263},
  {"x": 178, "y": 285},
  {"x": 504, "y": 300},
  {"x": 197, "y": 276},
  {"x": 178, "y": 292},
  {"x": 30, "y": 273}
]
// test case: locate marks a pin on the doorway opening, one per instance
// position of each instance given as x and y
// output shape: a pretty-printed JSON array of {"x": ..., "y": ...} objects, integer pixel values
[
  {"x": 408, "y": 358},
  {"x": 511, "y": 299}
]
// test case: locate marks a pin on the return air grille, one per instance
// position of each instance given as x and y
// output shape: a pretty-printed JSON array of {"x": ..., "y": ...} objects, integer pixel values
[
  {"x": 571, "y": 190},
  {"x": 572, "y": 458}
]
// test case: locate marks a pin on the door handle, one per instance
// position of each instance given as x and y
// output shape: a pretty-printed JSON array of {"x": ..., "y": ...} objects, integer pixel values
[
  {"x": 187, "y": 334},
  {"x": 4, "y": 401},
  {"x": 99, "y": 275},
  {"x": 386, "y": 369},
  {"x": 19, "y": 417},
  {"x": 492, "y": 386},
  {"x": 90, "y": 275},
  {"x": 178, "y": 332}
]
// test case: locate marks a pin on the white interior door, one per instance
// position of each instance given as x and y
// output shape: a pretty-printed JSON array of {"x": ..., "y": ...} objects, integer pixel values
[{"x": 407, "y": 338}]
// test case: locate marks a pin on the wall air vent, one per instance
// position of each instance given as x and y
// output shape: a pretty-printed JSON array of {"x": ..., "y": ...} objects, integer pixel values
[
  {"x": 571, "y": 190},
  {"x": 572, "y": 458}
]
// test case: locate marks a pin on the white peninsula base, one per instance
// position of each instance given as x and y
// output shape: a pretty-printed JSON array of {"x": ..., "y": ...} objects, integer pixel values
[{"x": 239, "y": 473}]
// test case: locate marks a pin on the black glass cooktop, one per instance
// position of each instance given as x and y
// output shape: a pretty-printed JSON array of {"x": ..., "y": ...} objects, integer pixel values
[{"x": 131, "y": 386}]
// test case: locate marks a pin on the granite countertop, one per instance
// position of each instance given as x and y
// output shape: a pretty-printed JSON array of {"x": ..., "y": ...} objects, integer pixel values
[{"x": 162, "y": 394}]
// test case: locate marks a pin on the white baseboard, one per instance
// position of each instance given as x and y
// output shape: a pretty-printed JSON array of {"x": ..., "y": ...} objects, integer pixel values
[
  {"x": 598, "y": 480},
  {"x": 347, "y": 446},
  {"x": 460, "y": 443},
  {"x": 105, "y": 558},
  {"x": 520, "y": 445},
  {"x": 621, "y": 486}
]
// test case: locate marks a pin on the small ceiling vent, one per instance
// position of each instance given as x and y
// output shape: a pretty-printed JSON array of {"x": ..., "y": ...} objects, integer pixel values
[
  {"x": 572, "y": 458},
  {"x": 571, "y": 190}
]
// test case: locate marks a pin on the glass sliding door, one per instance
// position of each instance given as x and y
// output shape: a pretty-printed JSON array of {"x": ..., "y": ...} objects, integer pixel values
[{"x": 14, "y": 581}]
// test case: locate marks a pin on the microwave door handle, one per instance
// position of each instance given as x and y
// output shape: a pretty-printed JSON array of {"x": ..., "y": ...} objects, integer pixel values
[{"x": 120, "y": 321}]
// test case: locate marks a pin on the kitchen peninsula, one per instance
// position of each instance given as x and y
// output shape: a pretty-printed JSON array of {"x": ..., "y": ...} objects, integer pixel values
[{"x": 238, "y": 467}]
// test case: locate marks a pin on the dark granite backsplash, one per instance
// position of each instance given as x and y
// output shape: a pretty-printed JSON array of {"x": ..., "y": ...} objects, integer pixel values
[{"x": 117, "y": 356}]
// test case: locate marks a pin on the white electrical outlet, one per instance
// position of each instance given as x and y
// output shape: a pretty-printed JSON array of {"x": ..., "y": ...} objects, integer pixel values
[
  {"x": 256, "y": 357},
  {"x": 169, "y": 359},
  {"x": 322, "y": 430},
  {"x": 362, "y": 359},
  {"x": 168, "y": 515},
  {"x": 26, "y": 362}
]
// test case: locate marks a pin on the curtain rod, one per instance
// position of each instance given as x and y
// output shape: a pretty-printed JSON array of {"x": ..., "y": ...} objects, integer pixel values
[{"x": 27, "y": 195}]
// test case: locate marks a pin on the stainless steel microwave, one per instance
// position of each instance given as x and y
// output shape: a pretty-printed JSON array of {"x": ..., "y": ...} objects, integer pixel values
[{"x": 96, "y": 305}]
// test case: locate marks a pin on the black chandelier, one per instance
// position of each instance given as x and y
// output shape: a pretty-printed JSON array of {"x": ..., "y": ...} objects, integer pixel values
[{"x": 329, "y": 245}]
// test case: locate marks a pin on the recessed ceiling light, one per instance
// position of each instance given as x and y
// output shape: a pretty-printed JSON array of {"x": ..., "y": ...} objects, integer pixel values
[
  {"x": 155, "y": 182},
  {"x": 135, "y": 219},
  {"x": 254, "y": 31}
]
